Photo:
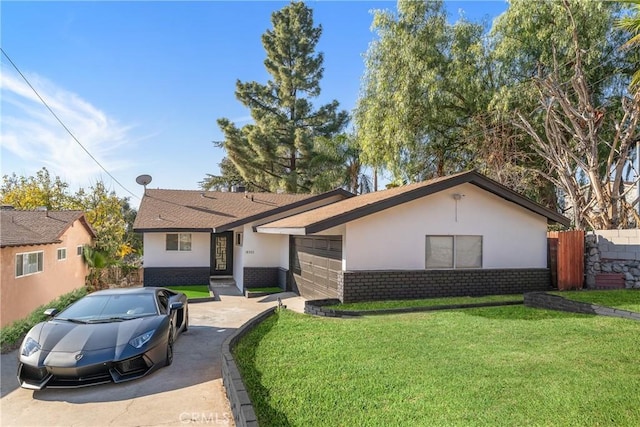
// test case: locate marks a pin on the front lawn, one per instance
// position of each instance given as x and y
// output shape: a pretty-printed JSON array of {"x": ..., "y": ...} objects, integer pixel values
[
  {"x": 625, "y": 299},
  {"x": 192, "y": 291},
  {"x": 485, "y": 366}
]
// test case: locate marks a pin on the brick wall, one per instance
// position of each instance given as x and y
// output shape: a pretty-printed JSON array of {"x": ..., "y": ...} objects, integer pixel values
[
  {"x": 258, "y": 277},
  {"x": 354, "y": 286},
  {"x": 173, "y": 276}
]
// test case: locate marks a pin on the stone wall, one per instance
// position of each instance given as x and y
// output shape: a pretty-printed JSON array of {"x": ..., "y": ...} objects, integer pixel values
[
  {"x": 613, "y": 251},
  {"x": 355, "y": 286}
]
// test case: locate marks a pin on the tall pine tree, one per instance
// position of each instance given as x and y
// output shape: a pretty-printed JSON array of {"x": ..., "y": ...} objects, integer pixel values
[{"x": 278, "y": 150}]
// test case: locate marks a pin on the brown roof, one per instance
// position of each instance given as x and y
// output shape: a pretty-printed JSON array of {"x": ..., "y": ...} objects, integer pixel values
[
  {"x": 338, "y": 213},
  {"x": 22, "y": 228},
  {"x": 214, "y": 211}
]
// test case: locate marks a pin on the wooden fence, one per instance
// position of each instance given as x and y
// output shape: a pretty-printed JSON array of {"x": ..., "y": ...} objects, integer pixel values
[{"x": 566, "y": 258}]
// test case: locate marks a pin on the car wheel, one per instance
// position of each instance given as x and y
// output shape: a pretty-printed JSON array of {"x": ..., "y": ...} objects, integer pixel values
[
  {"x": 169, "y": 359},
  {"x": 186, "y": 321}
]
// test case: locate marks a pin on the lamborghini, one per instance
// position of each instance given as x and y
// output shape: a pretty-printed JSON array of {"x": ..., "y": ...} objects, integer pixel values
[{"x": 113, "y": 335}]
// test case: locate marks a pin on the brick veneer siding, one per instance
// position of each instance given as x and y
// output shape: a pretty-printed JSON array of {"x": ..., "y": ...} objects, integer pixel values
[
  {"x": 258, "y": 277},
  {"x": 355, "y": 286},
  {"x": 172, "y": 276}
]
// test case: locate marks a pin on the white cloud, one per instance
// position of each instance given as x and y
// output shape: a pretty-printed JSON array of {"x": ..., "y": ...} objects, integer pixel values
[{"x": 33, "y": 135}]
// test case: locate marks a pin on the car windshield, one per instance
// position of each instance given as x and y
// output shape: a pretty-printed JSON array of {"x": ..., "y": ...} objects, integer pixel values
[{"x": 106, "y": 308}]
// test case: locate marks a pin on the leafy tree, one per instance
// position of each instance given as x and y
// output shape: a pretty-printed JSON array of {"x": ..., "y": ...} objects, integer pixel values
[
  {"x": 425, "y": 80},
  {"x": 229, "y": 176},
  {"x": 583, "y": 129},
  {"x": 27, "y": 193},
  {"x": 341, "y": 165},
  {"x": 277, "y": 149},
  {"x": 104, "y": 212},
  {"x": 110, "y": 216}
]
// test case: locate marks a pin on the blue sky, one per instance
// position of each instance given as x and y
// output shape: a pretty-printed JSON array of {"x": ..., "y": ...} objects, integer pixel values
[{"x": 141, "y": 84}]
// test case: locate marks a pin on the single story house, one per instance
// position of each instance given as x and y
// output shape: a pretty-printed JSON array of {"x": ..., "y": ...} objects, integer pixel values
[
  {"x": 462, "y": 234},
  {"x": 41, "y": 258}
]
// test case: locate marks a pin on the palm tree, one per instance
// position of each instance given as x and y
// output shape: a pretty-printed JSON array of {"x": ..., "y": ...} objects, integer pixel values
[{"x": 631, "y": 24}]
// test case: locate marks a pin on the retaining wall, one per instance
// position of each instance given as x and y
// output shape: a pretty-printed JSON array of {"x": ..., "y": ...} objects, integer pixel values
[
  {"x": 613, "y": 252},
  {"x": 559, "y": 303},
  {"x": 241, "y": 406}
]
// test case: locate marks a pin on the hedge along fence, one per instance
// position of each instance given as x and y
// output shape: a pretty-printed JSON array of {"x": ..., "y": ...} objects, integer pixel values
[{"x": 241, "y": 406}]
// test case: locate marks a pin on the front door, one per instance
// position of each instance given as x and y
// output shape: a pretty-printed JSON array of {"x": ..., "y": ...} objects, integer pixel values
[{"x": 222, "y": 254}]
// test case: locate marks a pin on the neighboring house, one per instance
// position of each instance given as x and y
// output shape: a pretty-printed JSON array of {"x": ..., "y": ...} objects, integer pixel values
[
  {"x": 41, "y": 258},
  {"x": 458, "y": 235}
]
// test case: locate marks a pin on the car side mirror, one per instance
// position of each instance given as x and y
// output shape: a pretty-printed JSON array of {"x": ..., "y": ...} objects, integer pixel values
[
  {"x": 176, "y": 305},
  {"x": 50, "y": 312}
]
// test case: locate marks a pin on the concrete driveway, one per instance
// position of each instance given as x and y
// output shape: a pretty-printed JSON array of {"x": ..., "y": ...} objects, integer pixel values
[{"x": 189, "y": 391}]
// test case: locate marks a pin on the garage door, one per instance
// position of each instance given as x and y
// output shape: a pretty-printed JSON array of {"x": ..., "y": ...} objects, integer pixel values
[{"x": 315, "y": 263}]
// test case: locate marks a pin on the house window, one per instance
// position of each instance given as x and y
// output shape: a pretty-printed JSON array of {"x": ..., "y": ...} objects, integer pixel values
[
  {"x": 239, "y": 239},
  {"x": 62, "y": 254},
  {"x": 454, "y": 252},
  {"x": 178, "y": 242},
  {"x": 79, "y": 249},
  {"x": 29, "y": 263}
]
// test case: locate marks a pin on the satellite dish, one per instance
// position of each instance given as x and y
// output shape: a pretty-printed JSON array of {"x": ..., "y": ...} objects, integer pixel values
[{"x": 143, "y": 179}]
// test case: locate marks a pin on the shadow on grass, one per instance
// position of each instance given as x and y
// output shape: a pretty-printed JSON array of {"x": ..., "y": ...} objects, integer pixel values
[
  {"x": 521, "y": 313},
  {"x": 245, "y": 355}
]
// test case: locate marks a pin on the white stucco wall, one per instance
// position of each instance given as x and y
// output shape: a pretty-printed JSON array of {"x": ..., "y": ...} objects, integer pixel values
[
  {"x": 264, "y": 250},
  {"x": 155, "y": 254},
  {"x": 513, "y": 237}
]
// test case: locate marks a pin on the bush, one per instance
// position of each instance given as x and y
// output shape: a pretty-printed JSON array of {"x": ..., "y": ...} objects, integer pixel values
[{"x": 11, "y": 336}]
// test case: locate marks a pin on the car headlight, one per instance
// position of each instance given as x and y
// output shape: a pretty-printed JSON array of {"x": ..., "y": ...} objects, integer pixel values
[
  {"x": 30, "y": 346},
  {"x": 141, "y": 340}
]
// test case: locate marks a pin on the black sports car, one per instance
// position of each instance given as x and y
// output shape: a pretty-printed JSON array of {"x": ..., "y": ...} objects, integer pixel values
[{"x": 108, "y": 336}]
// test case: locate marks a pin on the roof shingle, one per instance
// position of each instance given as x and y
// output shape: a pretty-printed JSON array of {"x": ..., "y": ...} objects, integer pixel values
[
  {"x": 163, "y": 210},
  {"x": 22, "y": 228}
]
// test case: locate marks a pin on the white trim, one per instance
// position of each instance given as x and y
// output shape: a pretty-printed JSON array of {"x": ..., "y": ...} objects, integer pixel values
[{"x": 64, "y": 252}]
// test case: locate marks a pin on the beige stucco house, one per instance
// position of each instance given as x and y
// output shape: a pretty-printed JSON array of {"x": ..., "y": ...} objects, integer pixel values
[{"x": 40, "y": 258}]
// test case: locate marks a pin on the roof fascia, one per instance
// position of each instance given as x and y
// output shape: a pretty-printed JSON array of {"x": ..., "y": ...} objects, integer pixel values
[
  {"x": 294, "y": 231},
  {"x": 174, "y": 230}
]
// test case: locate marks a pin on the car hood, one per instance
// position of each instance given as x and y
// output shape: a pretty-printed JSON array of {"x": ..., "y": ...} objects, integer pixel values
[{"x": 64, "y": 336}]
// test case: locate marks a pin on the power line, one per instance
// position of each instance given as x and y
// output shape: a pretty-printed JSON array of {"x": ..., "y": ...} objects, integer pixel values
[{"x": 65, "y": 127}]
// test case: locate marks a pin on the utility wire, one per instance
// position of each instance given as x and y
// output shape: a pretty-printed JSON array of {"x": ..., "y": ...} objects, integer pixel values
[{"x": 65, "y": 127}]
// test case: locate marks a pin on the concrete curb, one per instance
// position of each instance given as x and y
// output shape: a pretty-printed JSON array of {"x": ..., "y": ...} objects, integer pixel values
[
  {"x": 241, "y": 406},
  {"x": 319, "y": 308},
  {"x": 560, "y": 303}
]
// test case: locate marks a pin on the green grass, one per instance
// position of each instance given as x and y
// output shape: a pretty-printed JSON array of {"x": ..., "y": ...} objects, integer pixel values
[
  {"x": 484, "y": 366},
  {"x": 430, "y": 302},
  {"x": 192, "y": 291},
  {"x": 268, "y": 290},
  {"x": 626, "y": 299},
  {"x": 11, "y": 336}
]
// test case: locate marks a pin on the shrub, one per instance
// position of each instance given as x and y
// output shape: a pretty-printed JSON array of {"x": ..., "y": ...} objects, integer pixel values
[{"x": 11, "y": 336}]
